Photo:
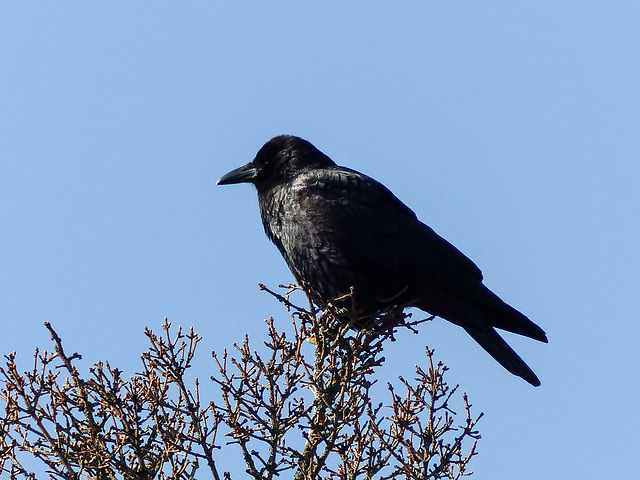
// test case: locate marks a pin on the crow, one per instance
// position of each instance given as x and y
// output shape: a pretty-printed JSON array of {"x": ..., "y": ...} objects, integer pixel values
[{"x": 337, "y": 229}]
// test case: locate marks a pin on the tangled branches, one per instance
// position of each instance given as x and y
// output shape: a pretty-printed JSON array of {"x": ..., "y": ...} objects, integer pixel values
[{"x": 299, "y": 407}]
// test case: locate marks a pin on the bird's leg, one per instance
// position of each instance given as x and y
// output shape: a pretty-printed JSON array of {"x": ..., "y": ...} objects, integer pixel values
[{"x": 396, "y": 296}]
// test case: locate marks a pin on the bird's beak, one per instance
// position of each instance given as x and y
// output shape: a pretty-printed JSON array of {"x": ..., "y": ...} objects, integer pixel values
[{"x": 245, "y": 173}]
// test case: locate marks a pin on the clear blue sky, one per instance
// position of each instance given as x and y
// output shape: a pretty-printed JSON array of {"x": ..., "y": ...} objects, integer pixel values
[{"x": 512, "y": 128}]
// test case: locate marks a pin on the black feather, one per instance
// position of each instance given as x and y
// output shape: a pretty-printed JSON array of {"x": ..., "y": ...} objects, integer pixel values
[{"x": 337, "y": 228}]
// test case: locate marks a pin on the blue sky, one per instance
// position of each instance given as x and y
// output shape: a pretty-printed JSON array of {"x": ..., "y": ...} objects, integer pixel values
[{"x": 511, "y": 128}]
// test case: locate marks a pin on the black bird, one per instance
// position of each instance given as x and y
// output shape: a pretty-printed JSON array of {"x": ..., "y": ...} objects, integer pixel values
[{"x": 337, "y": 228}]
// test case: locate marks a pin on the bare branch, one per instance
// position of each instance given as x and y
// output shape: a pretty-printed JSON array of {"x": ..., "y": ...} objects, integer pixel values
[{"x": 300, "y": 403}]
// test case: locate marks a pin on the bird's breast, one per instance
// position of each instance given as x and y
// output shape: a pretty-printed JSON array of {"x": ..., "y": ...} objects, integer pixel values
[{"x": 304, "y": 233}]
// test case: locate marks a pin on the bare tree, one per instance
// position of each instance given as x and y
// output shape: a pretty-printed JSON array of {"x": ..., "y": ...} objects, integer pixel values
[{"x": 298, "y": 408}]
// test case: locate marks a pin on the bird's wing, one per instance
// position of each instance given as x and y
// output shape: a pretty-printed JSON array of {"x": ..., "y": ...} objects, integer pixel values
[{"x": 377, "y": 228}]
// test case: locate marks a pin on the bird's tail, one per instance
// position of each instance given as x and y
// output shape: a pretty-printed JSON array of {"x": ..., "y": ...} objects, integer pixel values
[
  {"x": 481, "y": 316},
  {"x": 495, "y": 346},
  {"x": 500, "y": 314}
]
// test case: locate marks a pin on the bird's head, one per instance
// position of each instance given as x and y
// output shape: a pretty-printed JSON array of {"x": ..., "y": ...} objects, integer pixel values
[{"x": 279, "y": 160}]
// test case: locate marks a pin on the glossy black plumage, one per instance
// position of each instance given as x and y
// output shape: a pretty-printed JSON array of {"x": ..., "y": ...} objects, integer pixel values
[{"x": 337, "y": 228}]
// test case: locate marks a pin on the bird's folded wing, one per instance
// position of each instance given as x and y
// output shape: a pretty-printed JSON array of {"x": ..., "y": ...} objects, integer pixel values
[{"x": 376, "y": 227}]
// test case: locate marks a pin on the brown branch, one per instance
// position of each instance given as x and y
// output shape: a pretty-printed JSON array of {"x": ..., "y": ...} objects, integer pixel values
[{"x": 301, "y": 402}]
